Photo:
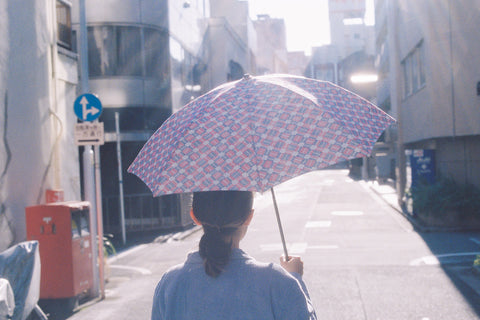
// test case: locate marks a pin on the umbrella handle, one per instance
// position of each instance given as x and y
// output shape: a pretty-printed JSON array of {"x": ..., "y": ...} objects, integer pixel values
[{"x": 279, "y": 224}]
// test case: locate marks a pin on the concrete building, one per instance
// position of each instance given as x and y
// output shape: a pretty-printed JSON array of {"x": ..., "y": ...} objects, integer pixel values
[
  {"x": 230, "y": 42},
  {"x": 323, "y": 64},
  {"x": 145, "y": 61},
  {"x": 271, "y": 51},
  {"x": 297, "y": 62},
  {"x": 38, "y": 79},
  {"x": 349, "y": 62},
  {"x": 427, "y": 57},
  {"x": 348, "y": 31},
  {"x": 350, "y": 37}
]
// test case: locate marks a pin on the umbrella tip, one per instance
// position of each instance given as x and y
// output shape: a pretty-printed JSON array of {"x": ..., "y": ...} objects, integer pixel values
[{"x": 246, "y": 76}]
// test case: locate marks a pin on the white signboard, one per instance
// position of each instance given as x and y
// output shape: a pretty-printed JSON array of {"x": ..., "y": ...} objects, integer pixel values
[{"x": 89, "y": 133}]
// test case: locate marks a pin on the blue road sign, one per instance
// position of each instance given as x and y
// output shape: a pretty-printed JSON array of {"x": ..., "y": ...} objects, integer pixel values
[
  {"x": 87, "y": 107},
  {"x": 422, "y": 163}
]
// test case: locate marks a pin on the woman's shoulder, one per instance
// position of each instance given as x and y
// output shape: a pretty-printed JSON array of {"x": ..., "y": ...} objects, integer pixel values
[
  {"x": 193, "y": 261},
  {"x": 270, "y": 270}
]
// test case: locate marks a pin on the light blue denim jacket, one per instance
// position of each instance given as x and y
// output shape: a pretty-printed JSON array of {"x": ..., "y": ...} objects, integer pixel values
[{"x": 246, "y": 289}]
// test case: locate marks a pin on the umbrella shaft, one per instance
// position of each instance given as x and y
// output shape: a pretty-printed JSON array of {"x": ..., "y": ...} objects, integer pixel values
[{"x": 279, "y": 224}]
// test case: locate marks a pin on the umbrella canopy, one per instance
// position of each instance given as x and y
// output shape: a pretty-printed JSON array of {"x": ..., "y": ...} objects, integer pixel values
[{"x": 257, "y": 132}]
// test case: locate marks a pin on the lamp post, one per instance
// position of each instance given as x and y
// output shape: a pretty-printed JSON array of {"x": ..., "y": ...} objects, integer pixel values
[{"x": 364, "y": 79}]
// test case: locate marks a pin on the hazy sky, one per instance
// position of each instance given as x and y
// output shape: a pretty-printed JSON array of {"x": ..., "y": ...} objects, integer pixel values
[{"x": 306, "y": 21}]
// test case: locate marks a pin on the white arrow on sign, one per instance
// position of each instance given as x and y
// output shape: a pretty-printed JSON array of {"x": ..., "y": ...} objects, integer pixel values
[{"x": 86, "y": 111}]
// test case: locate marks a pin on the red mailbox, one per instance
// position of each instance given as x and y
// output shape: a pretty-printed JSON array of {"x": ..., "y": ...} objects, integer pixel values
[{"x": 65, "y": 241}]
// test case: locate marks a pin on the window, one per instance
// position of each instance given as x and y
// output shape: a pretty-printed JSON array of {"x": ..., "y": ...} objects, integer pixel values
[
  {"x": 156, "y": 53},
  {"x": 414, "y": 71},
  {"x": 325, "y": 72},
  {"x": 101, "y": 51},
  {"x": 117, "y": 51},
  {"x": 64, "y": 24},
  {"x": 183, "y": 63},
  {"x": 128, "y": 51}
]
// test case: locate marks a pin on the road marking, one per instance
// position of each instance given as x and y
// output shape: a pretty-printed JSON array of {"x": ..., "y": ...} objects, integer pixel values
[
  {"x": 326, "y": 182},
  {"x": 295, "y": 248},
  {"x": 435, "y": 260},
  {"x": 318, "y": 224},
  {"x": 143, "y": 271},
  {"x": 475, "y": 240},
  {"x": 347, "y": 213},
  {"x": 322, "y": 247},
  {"x": 298, "y": 247},
  {"x": 126, "y": 253}
]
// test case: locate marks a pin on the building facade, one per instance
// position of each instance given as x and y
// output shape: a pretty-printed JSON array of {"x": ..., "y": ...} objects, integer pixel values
[
  {"x": 38, "y": 80},
  {"x": 351, "y": 39},
  {"x": 147, "y": 59},
  {"x": 272, "y": 55},
  {"x": 144, "y": 63},
  {"x": 429, "y": 71},
  {"x": 230, "y": 43},
  {"x": 348, "y": 30}
]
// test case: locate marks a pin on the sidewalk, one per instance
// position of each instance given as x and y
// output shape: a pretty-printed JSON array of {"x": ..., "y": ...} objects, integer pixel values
[{"x": 388, "y": 193}]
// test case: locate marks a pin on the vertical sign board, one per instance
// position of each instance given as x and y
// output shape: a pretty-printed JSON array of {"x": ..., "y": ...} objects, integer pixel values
[
  {"x": 89, "y": 133},
  {"x": 87, "y": 108},
  {"x": 423, "y": 167}
]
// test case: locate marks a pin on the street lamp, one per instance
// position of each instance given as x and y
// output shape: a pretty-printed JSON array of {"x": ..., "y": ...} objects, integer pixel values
[{"x": 364, "y": 78}]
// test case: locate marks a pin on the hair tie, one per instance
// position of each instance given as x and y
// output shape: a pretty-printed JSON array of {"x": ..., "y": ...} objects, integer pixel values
[{"x": 213, "y": 227}]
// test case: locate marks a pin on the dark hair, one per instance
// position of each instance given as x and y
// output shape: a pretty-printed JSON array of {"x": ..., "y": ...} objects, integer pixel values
[{"x": 221, "y": 213}]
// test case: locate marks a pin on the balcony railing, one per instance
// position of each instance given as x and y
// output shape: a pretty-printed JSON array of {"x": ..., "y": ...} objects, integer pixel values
[{"x": 142, "y": 213}]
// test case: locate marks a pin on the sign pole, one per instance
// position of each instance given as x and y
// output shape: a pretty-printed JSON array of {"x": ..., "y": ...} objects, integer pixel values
[
  {"x": 89, "y": 186},
  {"x": 90, "y": 164},
  {"x": 98, "y": 202},
  {"x": 120, "y": 177}
]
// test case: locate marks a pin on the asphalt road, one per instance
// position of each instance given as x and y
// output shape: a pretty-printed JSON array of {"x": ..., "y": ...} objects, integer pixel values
[{"x": 363, "y": 260}]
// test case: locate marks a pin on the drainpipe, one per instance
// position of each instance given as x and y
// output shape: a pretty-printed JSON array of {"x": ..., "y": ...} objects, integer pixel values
[
  {"x": 395, "y": 96},
  {"x": 57, "y": 125}
]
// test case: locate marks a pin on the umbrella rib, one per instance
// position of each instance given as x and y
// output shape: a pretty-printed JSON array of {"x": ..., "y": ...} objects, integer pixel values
[{"x": 256, "y": 158}]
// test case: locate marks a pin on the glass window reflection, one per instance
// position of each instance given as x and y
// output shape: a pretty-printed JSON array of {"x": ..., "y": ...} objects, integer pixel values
[
  {"x": 117, "y": 51},
  {"x": 129, "y": 51}
]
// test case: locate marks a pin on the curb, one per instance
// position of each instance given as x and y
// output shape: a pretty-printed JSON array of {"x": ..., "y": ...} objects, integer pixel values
[
  {"x": 469, "y": 276},
  {"x": 178, "y": 236},
  {"x": 415, "y": 223}
]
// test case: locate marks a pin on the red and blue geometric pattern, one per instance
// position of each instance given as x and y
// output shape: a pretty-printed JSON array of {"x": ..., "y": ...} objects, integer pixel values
[{"x": 257, "y": 132}]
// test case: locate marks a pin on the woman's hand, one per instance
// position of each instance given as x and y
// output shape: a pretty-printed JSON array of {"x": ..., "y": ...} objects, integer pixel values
[{"x": 294, "y": 264}]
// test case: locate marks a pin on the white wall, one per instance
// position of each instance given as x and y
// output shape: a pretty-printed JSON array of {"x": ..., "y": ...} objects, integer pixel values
[
  {"x": 6, "y": 219},
  {"x": 225, "y": 45},
  {"x": 37, "y": 113}
]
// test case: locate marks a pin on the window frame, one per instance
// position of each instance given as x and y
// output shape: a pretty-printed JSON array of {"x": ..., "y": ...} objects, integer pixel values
[
  {"x": 64, "y": 28},
  {"x": 413, "y": 67}
]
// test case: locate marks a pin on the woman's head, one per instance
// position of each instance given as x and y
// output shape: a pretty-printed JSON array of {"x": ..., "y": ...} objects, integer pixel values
[{"x": 221, "y": 213}]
